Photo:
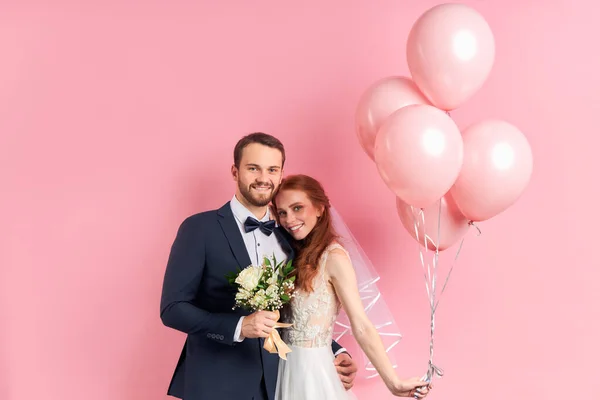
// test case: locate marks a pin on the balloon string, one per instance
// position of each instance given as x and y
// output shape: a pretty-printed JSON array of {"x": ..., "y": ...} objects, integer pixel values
[
  {"x": 432, "y": 369},
  {"x": 472, "y": 223},
  {"x": 431, "y": 278},
  {"x": 421, "y": 257},
  {"x": 460, "y": 246}
]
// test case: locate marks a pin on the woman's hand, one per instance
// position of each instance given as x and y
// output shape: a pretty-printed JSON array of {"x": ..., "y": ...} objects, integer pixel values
[{"x": 413, "y": 387}]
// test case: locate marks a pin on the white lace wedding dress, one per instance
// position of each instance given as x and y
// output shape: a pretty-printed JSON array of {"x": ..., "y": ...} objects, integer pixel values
[{"x": 309, "y": 372}]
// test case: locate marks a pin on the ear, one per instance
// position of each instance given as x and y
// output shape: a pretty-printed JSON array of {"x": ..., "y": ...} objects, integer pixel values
[
  {"x": 321, "y": 210},
  {"x": 234, "y": 172}
]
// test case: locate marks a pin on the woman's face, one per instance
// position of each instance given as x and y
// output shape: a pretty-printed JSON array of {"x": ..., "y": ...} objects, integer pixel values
[{"x": 296, "y": 213}]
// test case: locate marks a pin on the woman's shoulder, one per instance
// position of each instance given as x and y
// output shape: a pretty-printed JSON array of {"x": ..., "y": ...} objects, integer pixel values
[
  {"x": 336, "y": 250},
  {"x": 336, "y": 244}
]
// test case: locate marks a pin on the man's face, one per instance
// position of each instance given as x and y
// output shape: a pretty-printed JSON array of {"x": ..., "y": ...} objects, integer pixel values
[{"x": 259, "y": 174}]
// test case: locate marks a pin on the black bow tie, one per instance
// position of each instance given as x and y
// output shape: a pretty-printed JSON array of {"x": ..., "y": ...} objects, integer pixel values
[{"x": 265, "y": 227}]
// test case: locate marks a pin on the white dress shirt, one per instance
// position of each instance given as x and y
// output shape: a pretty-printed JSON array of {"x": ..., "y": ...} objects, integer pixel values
[{"x": 257, "y": 244}]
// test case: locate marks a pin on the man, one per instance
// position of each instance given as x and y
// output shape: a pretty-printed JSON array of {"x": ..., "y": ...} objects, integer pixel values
[{"x": 223, "y": 357}]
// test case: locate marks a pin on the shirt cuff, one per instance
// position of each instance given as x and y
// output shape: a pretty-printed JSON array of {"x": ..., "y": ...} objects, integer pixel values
[
  {"x": 237, "y": 336},
  {"x": 340, "y": 351}
]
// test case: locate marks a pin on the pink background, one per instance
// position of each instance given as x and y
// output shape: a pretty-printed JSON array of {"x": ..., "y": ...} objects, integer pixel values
[{"x": 118, "y": 120}]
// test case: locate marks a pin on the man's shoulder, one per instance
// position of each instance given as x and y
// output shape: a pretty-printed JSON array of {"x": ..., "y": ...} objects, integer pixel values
[{"x": 204, "y": 216}]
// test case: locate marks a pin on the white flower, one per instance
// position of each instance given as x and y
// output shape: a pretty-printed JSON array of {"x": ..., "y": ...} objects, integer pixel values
[
  {"x": 272, "y": 280},
  {"x": 243, "y": 294},
  {"x": 259, "y": 299},
  {"x": 272, "y": 290},
  {"x": 249, "y": 277}
]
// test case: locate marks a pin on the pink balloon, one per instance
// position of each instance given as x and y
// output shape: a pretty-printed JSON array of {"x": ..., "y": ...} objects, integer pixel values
[
  {"x": 378, "y": 102},
  {"x": 450, "y": 53},
  {"x": 418, "y": 152},
  {"x": 497, "y": 167},
  {"x": 453, "y": 225}
]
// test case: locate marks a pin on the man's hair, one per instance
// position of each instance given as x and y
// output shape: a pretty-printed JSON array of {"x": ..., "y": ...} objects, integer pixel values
[{"x": 260, "y": 138}]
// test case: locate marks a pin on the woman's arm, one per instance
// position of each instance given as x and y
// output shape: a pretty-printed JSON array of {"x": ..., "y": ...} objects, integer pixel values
[{"x": 343, "y": 278}]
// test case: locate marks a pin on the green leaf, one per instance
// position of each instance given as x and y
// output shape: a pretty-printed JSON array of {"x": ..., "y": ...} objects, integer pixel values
[
  {"x": 289, "y": 267},
  {"x": 267, "y": 262},
  {"x": 231, "y": 277},
  {"x": 285, "y": 297}
]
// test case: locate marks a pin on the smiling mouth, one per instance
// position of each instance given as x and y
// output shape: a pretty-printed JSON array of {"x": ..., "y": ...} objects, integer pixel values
[
  {"x": 295, "y": 227},
  {"x": 262, "y": 188}
]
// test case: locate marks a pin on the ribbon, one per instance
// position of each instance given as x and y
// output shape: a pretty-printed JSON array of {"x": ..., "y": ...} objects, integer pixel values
[
  {"x": 273, "y": 343},
  {"x": 430, "y": 284},
  {"x": 431, "y": 275}
]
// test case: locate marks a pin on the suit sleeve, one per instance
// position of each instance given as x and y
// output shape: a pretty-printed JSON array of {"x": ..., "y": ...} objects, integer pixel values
[
  {"x": 335, "y": 347},
  {"x": 181, "y": 284}
]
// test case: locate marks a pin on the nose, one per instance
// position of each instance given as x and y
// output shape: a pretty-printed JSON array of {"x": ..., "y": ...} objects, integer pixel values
[
  {"x": 262, "y": 179},
  {"x": 289, "y": 220}
]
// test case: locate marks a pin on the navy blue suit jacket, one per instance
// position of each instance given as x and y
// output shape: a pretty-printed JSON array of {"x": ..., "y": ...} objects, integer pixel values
[{"x": 198, "y": 300}]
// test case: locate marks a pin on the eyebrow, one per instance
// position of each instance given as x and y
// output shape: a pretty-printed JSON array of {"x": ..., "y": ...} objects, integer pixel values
[
  {"x": 298, "y": 203},
  {"x": 258, "y": 166}
]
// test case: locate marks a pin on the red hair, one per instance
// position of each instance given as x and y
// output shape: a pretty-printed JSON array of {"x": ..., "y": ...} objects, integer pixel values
[{"x": 309, "y": 250}]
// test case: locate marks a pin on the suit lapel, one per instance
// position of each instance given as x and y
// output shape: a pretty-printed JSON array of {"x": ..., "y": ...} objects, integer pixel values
[{"x": 234, "y": 237}]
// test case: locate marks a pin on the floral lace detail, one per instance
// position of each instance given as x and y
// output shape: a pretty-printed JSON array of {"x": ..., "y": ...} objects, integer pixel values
[{"x": 313, "y": 314}]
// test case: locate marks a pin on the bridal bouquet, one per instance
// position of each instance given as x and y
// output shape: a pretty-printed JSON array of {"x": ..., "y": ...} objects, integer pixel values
[{"x": 265, "y": 287}]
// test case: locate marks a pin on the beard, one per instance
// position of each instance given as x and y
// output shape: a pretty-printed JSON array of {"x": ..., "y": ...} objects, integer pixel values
[{"x": 255, "y": 198}]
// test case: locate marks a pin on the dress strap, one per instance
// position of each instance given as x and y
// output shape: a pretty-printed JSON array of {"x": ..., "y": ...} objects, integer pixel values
[
  {"x": 334, "y": 246},
  {"x": 325, "y": 255}
]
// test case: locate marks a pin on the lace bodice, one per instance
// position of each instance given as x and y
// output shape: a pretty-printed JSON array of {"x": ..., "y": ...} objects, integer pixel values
[{"x": 313, "y": 314}]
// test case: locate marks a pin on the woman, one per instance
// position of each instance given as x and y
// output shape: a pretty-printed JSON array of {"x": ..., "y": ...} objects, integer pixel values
[{"x": 325, "y": 281}]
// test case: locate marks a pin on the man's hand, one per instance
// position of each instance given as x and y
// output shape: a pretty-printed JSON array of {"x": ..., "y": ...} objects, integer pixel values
[
  {"x": 346, "y": 369},
  {"x": 258, "y": 325}
]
